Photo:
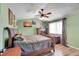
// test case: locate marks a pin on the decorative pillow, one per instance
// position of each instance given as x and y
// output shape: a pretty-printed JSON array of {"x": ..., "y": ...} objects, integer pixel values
[
  {"x": 18, "y": 37},
  {"x": 13, "y": 32}
]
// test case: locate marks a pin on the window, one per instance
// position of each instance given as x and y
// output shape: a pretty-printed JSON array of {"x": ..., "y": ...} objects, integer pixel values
[{"x": 55, "y": 27}]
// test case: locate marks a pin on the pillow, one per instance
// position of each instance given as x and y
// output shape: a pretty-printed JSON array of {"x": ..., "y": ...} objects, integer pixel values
[
  {"x": 18, "y": 37},
  {"x": 13, "y": 32}
]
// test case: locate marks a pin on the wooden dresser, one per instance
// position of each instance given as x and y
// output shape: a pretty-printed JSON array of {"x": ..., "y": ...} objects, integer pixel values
[{"x": 55, "y": 38}]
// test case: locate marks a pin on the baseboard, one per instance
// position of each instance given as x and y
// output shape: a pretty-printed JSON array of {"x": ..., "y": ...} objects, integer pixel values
[{"x": 73, "y": 47}]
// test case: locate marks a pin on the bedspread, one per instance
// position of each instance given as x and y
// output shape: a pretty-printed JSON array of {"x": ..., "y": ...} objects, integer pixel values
[{"x": 32, "y": 43}]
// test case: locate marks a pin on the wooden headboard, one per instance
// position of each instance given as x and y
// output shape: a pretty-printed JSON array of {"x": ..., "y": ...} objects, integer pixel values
[{"x": 11, "y": 33}]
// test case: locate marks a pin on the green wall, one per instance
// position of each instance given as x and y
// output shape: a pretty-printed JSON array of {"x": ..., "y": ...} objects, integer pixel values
[
  {"x": 30, "y": 30},
  {"x": 25, "y": 30},
  {"x": 73, "y": 30},
  {"x": 3, "y": 22}
]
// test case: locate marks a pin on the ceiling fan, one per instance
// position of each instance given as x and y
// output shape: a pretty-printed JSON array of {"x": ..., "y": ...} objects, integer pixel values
[{"x": 42, "y": 14}]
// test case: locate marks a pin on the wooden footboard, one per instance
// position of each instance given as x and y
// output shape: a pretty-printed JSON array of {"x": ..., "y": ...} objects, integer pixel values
[{"x": 37, "y": 53}]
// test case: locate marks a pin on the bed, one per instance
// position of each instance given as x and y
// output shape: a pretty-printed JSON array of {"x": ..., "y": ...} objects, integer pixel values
[{"x": 30, "y": 45}]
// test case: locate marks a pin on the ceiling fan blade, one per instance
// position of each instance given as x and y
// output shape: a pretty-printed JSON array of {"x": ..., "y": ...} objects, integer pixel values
[
  {"x": 41, "y": 16},
  {"x": 49, "y": 13},
  {"x": 40, "y": 12},
  {"x": 46, "y": 16}
]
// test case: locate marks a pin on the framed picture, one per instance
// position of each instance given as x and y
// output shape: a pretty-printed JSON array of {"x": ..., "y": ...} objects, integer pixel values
[
  {"x": 27, "y": 24},
  {"x": 11, "y": 17},
  {"x": 13, "y": 22}
]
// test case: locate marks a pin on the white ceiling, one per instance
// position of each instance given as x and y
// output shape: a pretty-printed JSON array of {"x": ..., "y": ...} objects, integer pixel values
[{"x": 30, "y": 10}]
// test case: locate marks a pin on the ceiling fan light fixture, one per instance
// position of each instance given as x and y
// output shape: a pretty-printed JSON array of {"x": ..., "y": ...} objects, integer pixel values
[{"x": 42, "y": 18}]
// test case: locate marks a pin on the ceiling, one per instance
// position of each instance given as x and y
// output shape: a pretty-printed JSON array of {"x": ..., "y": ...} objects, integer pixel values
[{"x": 30, "y": 10}]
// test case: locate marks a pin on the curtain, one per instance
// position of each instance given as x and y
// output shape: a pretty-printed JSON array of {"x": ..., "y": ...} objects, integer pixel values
[{"x": 64, "y": 30}]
